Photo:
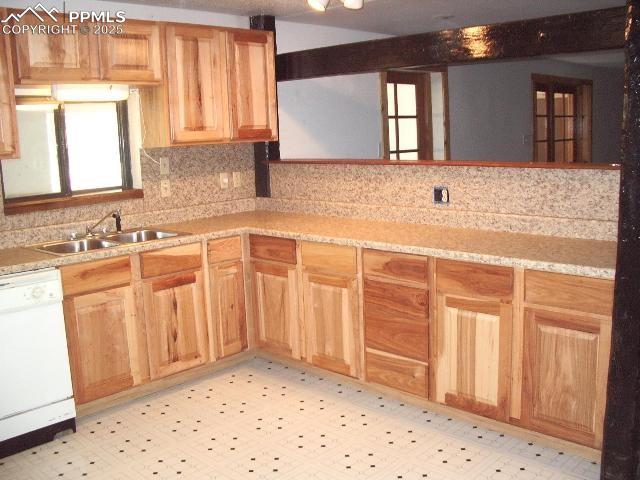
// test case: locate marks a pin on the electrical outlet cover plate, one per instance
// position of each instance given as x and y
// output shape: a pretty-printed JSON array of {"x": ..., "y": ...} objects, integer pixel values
[
  {"x": 164, "y": 166},
  {"x": 441, "y": 195},
  {"x": 237, "y": 179},
  {"x": 165, "y": 188},
  {"x": 224, "y": 180}
]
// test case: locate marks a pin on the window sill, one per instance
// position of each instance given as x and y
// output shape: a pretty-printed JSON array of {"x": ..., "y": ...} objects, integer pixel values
[{"x": 76, "y": 200}]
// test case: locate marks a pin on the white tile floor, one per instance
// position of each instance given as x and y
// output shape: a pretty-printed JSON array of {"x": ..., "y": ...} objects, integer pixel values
[{"x": 264, "y": 420}]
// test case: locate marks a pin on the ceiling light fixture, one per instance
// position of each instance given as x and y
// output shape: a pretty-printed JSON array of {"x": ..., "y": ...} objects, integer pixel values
[
  {"x": 353, "y": 4},
  {"x": 319, "y": 5}
]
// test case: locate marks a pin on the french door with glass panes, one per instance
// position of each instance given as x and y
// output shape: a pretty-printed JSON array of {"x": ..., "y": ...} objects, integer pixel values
[{"x": 562, "y": 119}]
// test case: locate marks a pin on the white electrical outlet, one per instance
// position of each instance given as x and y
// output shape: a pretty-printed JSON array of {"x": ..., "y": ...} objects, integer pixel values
[
  {"x": 165, "y": 188},
  {"x": 164, "y": 166},
  {"x": 237, "y": 179},
  {"x": 224, "y": 180}
]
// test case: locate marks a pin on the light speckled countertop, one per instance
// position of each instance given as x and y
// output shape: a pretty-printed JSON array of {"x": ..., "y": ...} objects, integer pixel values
[{"x": 572, "y": 256}]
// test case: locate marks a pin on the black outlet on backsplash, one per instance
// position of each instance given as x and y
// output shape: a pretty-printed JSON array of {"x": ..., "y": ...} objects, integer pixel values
[{"x": 441, "y": 195}]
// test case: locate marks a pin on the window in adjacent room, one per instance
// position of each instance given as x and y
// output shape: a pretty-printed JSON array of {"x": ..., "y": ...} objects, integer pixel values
[
  {"x": 415, "y": 115},
  {"x": 562, "y": 119}
]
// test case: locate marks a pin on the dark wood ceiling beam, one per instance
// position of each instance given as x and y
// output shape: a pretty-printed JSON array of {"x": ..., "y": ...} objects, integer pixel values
[{"x": 572, "y": 33}]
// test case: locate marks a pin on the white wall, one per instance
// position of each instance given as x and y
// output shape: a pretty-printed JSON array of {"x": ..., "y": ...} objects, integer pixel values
[
  {"x": 490, "y": 109},
  {"x": 144, "y": 12},
  {"x": 331, "y": 117}
]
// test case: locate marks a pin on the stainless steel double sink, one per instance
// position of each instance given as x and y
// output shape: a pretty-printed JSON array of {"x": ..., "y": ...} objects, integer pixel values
[{"x": 108, "y": 240}]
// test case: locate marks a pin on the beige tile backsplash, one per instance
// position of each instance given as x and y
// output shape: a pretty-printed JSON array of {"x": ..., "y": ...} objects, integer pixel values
[
  {"x": 195, "y": 193},
  {"x": 566, "y": 203}
]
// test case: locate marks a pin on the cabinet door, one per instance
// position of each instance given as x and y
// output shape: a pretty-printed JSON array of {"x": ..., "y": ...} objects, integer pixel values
[
  {"x": 330, "y": 319},
  {"x": 474, "y": 355},
  {"x": 565, "y": 376},
  {"x": 132, "y": 56},
  {"x": 176, "y": 325},
  {"x": 227, "y": 297},
  {"x": 8, "y": 122},
  {"x": 252, "y": 86},
  {"x": 101, "y": 332},
  {"x": 55, "y": 58},
  {"x": 276, "y": 308},
  {"x": 197, "y": 83}
]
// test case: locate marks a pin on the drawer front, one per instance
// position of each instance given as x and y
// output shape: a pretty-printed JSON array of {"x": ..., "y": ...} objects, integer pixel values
[
  {"x": 396, "y": 319},
  {"x": 95, "y": 276},
  {"x": 325, "y": 257},
  {"x": 397, "y": 373},
  {"x": 472, "y": 279},
  {"x": 590, "y": 295},
  {"x": 171, "y": 260},
  {"x": 273, "y": 248},
  {"x": 225, "y": 249},
  {"x": 396, "y": 266}
]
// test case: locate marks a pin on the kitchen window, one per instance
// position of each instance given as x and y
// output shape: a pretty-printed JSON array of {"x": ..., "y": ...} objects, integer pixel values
[
  {"x": 414, "y": 106},
  {"x": 562, "y": 119},
  {"x": 69, "y": 150}
]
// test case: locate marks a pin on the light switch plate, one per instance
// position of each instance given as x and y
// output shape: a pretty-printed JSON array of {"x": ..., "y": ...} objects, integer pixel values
[
  {"x": 237, "y": 179},
  {"x": 224, "y": 180},
  {"x": 165, "y": 188},
  {"x": 164, "y": 166}
]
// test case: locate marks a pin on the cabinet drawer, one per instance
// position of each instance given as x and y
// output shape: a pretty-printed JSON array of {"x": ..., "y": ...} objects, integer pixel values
[
  {"x": 397, "y": 373},
  {"x": 591, "y": 295},
  {"x": 273, "y": 248},
  {"x": 170, "y": 260},
  {"x": 95, "y": 276},
  {"x": 225, "y": 249},
  {"x": 472, "y": 279},
  {"x": 334, "y": 259},
  {"x": 395, "y": 318},
  {"x": 396, "y": 266}
]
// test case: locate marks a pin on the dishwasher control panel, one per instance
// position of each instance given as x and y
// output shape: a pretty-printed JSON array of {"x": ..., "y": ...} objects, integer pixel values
[{"x": 27, "y": 290}]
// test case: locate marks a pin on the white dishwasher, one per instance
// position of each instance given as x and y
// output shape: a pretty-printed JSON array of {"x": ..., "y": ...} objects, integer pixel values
[{"x": 36, "y": 399}]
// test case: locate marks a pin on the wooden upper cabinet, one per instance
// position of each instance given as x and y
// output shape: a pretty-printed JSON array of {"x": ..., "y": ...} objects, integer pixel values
[
  {"x": 197, "y": 84},
  {"x": 54, "y": 58},
  {"x": 252, "y": 85},
  {"x": 8, "y": 121},
  {"x": 474, "y": 316},
  {"x": 133, "y": 56}
]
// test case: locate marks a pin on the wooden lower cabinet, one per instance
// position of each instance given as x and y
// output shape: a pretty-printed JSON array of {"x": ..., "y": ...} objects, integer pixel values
[
  {"x": 566, "y": 346},
  {"x": 227, "y": 298},
  {"x": 104, "y": 331},
  {"x": 101, "y": 330},
  {"x": 396, "y": 320},
  {"x": 175, "y": 318},
  {"x": 565, "y": 376},
  {"x": 474, "y": 315},
  {"x": 275, "y": 297},
  {"x": 397, "y": 372},
  {"x": 331, "y": 322}
]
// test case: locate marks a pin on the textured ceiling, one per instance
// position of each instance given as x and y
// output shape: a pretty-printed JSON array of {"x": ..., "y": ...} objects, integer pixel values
[{"x": 395, "y": 17}]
